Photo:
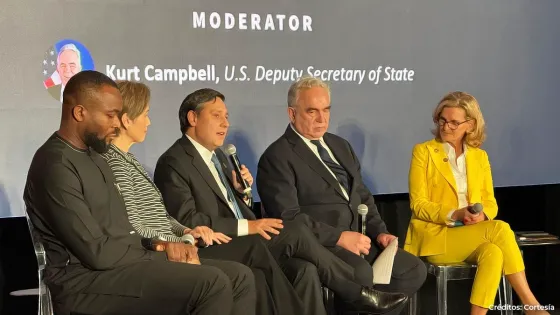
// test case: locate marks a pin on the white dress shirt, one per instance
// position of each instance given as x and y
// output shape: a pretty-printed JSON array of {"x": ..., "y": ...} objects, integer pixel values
[
  {"x": 459, "y": 170},
  {"x": 316, "y": 152},
  {"x": 242, "y": 224}
]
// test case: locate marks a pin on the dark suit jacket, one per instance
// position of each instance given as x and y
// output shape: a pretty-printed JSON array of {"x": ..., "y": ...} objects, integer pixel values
[
  {"x": 294, "y": 185},
  {"x": 190, "y": 192}
]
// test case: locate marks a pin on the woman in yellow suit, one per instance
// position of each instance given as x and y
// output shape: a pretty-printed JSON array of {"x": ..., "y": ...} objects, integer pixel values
[{"x": 447, "y": 175}]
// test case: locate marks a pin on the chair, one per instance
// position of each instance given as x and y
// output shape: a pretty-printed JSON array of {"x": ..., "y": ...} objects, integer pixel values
[
  {"x": 458, "y": 271},
  {"x": 44, "y": 295},
  {"x": 328, "y": 301}
]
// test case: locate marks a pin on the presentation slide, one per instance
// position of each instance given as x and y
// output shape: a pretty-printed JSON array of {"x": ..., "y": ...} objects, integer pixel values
[{"x": 388, "y": 64}]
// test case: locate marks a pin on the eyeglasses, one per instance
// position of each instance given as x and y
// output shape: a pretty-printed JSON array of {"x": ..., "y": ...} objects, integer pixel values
[{"x": 453, "y": 125}]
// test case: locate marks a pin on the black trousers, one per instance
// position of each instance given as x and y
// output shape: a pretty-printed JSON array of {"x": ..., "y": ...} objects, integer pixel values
[
  {"x": 304, "y": 276},
  {"x": 297, "y": 241},
  {"x": 275, "y": 293},
  {"x": 162, "y": 287},
  {"x": 409, "y": 272}
]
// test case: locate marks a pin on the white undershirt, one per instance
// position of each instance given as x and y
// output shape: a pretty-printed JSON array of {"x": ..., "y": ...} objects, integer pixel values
[
  {"x": 459, "y": 170},
  {"x": 242, "y": 224}
]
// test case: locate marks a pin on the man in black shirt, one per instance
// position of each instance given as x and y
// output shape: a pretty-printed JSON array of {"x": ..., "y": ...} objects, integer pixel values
[{"x": 96, "y": 262}]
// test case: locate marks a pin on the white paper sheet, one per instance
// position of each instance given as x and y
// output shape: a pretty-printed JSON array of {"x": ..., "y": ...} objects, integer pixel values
[{"x": 383, "y": 265}]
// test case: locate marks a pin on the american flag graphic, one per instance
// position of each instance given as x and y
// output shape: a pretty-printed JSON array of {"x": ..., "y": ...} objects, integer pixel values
[{"x": 50, "y": 75}]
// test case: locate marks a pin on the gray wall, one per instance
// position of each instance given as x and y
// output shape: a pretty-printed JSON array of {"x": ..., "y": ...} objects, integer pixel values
[{"x": 501, "y": 51}]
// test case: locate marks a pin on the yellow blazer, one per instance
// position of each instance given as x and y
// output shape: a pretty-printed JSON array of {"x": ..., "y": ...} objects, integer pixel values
[{"x": 433, "y": 194}]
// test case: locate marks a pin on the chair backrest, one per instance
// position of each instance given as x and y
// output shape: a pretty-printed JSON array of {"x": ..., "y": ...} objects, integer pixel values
[
  {"x": 45, "y": 304},
  {"x": 37, "y": 244}
]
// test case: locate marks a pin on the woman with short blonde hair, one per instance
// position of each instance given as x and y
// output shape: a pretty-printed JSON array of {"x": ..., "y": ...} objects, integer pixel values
[
  {"x": 142, "y": 199},
  {"x": 136, "y": 97},
  {"x": 474, "y": 137},
  {"x": 453, "y": 204}
]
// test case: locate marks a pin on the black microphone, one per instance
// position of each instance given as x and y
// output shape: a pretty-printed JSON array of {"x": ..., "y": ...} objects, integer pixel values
[
  {"x": 189, "y": 239},
  {"x": 475, "y": 209},
  {"x": 232, "y": 152},
  {"x": 362, "y": 211}
]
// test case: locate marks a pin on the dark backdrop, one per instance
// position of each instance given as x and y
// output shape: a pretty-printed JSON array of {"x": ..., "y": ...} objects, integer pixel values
[{"x": 525, "y": 208}]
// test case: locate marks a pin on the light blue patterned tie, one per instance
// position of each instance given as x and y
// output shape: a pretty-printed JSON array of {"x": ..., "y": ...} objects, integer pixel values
[{"x": 230, "y": 196}]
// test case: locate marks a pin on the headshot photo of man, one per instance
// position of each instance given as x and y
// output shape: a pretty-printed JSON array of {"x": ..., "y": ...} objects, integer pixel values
[{"x": 62, "y": 64}]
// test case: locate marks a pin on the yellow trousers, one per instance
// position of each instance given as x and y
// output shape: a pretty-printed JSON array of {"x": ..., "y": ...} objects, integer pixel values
[{"x": 489, "y": 244}]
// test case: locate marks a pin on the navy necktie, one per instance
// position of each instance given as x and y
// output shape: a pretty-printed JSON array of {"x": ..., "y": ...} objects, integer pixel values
[
  {"x": 230, "y": 196},
  {"x": 339, "y": 171}
]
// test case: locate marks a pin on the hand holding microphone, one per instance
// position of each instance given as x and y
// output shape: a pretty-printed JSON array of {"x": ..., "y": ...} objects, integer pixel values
[
  {"x": 473, "y": 214},
  {"x": 242, "y": 178},
  {"x": 357, "y": 242},
  {"x": 203, "y": 236}
]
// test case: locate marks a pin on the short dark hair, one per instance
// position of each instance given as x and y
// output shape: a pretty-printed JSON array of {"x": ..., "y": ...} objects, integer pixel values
[
  {"x": 194, "y": 102},
  {"x": 82, "y": 86}
]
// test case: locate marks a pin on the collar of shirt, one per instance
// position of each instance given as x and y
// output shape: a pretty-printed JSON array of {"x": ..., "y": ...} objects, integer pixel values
[
  {"x": 126, "y": 155},
  {"x": 450, "y": 151},
  {"x": 307, "y": 141},
  {"x": 204, "y": 152}
]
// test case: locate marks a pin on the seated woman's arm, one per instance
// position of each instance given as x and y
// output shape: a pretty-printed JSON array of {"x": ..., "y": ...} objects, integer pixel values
[
  {"x": 177, "y": 228},
  {"x": 127, "y": 188},
  {"x": 421, "y": 206}
]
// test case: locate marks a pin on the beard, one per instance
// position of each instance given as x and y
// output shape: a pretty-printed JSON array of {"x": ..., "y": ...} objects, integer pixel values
[{"x": 99, "y": 145}]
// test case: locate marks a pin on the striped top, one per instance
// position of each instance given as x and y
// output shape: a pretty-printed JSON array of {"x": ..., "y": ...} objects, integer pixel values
[{"x": 143, "y": 200}]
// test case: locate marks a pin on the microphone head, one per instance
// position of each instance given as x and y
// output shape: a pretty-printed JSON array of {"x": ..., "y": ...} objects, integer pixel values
[
  {"x": 230, "y": 149},
  {"x": 362, "y": 209},
  {"x": 476, "y": 208},
  {"x": 187, "y": 238}
]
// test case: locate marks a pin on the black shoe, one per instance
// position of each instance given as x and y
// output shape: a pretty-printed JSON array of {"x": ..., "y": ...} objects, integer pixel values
[{"x": 375, "y": 302}]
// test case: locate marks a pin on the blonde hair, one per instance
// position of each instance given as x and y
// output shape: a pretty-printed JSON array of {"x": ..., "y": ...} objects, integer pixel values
[
  {"x": 135, "y": 96},
  {"x": 476, "y": 136},
  {"x": 303, "y": 83}
]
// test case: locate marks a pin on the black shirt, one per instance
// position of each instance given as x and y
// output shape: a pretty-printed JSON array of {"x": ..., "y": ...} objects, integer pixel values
[{"x": 75, "y": 206}]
